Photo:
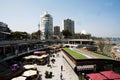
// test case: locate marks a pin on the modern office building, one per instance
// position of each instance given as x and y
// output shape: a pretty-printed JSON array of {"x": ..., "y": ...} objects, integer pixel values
[
  {"x": 68, "y": 24},
  {"x": 46, "y": 26},
  {"x": 57, "y": 30},
  {"x": 4, "y": 31}
]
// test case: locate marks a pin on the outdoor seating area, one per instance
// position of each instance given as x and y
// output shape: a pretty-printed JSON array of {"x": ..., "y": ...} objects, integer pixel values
[
  {"x": 31, "y": 59},
  {"x": 15, "y": 69},
  {"x": 29, "y": 72},
  {"x": 104, "y": 75},
  {"x": 54, "y": 48}
]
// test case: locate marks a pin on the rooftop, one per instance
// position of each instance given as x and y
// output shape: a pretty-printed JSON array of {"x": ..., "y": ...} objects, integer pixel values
[{"x": 74, "y": 54}]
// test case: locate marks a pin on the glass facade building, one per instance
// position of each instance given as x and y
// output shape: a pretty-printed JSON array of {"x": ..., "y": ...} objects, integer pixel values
[{"x": 46, "y": 26}]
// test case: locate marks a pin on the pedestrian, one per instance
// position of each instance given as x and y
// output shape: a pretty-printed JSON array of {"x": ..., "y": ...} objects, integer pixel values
[
  {"x": 40, "y": 77},
  {"x": 61, "y": 76},
  {"x": 61, "y": 67}
]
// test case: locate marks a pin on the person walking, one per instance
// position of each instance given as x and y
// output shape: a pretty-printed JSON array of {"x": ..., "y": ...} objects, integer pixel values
[
  {"x": 61, "y": 76},
  {"x": 61, "y": 67},
  {"x": 40, "y": 77}
]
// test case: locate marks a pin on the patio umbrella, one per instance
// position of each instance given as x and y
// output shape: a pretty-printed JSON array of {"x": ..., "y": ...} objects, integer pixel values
[
  {"x": 31, "y": 57},
  {"x": 29, "y": 73},
  {"x": 44, "y": 56},
  {"x": 30, "y": 67},
  {"x": 19, "y": 78},
  {"x": 40, "y": 57}
]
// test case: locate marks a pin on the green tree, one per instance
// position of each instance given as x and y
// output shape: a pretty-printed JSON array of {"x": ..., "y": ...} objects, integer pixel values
[
  {"x": 36, "y": 35},
  {"x": 101, "y": 45},
  {"x": 107, "y": 49},
  {"x": 19, "y": 35},
  {"x": 77, "y": 36},
  {"x": 66, "y": 33}
]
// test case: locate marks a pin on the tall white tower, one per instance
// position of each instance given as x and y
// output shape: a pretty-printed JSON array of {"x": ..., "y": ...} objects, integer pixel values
[{"x": 46, "y": 26}]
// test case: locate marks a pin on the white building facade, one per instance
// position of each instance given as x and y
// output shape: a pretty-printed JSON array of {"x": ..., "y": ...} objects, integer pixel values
[{"x": 46, "y": 26}]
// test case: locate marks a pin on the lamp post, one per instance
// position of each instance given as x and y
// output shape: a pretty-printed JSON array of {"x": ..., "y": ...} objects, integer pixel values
[{"x": 79, "y": 76}]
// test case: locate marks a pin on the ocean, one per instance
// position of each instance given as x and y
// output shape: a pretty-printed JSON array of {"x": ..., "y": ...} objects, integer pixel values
[{"x": 115, "y": 42}]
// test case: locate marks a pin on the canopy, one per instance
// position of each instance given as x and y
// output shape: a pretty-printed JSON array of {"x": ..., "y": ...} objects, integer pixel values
[
  {"x": 30, "y": 57},
  {"x": 29, "y": 66},
  {"x": 19, "y": 78},
  {"x": 85, "y": 67},
  {"x": 97, "y": 76},
  {"x": 35, "y": 57},
  {"x": 110, "y": 75},
  {"x": 40, "y": 52},
  {"x": 29, "y": 73},
  {"x": 43, "y": 56}
]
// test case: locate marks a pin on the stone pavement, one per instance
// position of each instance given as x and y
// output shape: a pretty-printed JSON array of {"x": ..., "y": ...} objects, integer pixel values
[{"x": 67, "y": 73}]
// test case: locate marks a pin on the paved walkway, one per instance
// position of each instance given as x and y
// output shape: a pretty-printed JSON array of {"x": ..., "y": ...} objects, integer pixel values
[{"x": 68, "y": 73}]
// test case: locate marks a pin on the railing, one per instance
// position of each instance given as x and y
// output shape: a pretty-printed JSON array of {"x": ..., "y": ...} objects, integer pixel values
[{"x": 19, "y": 54}]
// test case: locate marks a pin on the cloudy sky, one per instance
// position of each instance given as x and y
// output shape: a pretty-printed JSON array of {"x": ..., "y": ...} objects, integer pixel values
[{"x": 99, "y": 17}]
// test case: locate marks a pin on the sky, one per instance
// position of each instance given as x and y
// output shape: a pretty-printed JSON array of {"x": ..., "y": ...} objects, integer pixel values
[{"x": 101, "y": 18}]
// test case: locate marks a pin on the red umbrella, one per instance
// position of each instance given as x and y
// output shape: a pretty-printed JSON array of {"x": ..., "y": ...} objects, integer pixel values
[{"x": 96, "y": 76}]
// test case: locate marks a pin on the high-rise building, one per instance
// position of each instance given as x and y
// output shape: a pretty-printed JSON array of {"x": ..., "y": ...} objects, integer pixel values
[
  {"x": 46, "y": 26},
  {"x": 57, "y": 30},
  {"x": 68, "y": 24}
]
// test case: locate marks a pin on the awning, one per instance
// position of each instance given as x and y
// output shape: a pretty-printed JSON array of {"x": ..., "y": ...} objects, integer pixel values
[
  {"x": 111, "y": 75},
  {"x": 96, "y": 76},
  {"x": 35, "y": 57},
  {"x": 85, "y": 67},
  {"x": 43, "y": 56},
  {"x": 40, "y": 52}
]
